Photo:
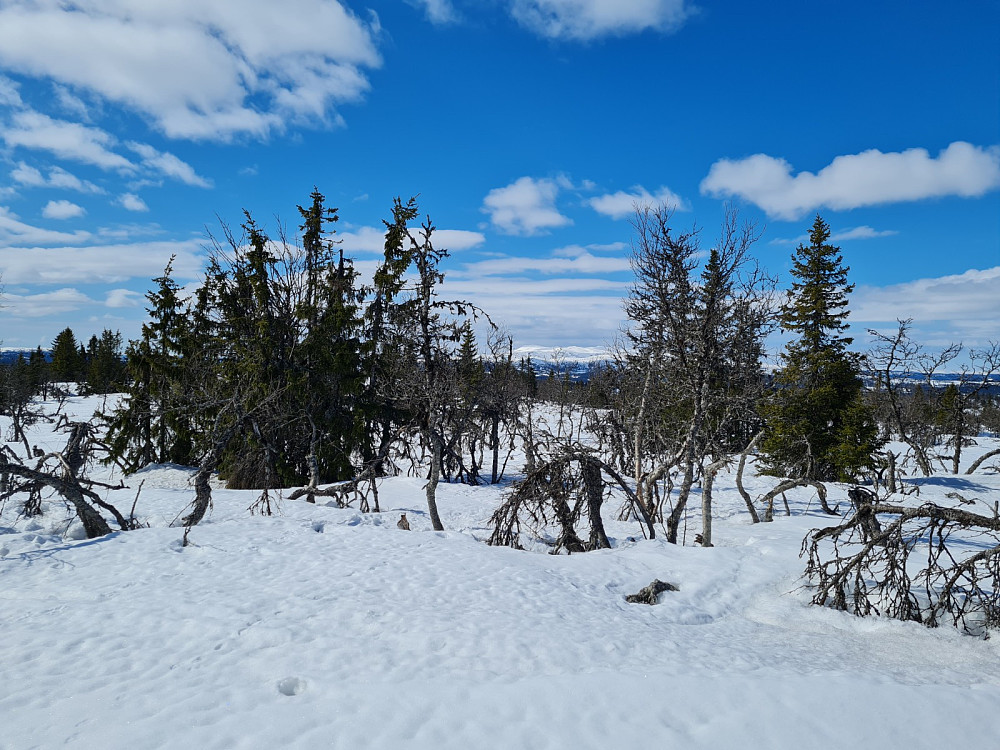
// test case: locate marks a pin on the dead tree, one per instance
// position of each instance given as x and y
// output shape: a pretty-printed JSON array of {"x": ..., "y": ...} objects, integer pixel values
[
  {"x": 560, "y": 492},
  {"x": 767, "y": 499},
  {"x": 929, "y": 564},
  {"x": 61, "y": 472},
  {"x": 979, "y": 461}
]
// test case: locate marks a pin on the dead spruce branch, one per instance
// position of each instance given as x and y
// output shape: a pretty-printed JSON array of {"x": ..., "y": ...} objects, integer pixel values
[
  {"x": 928, "y": 564},
  {"x": 61, "y": 472}
]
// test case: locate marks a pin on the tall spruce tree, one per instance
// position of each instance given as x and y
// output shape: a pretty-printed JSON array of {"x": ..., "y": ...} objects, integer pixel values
[
  {"x": 817, "y": 424},
  {"x": 149, "y": 426}
]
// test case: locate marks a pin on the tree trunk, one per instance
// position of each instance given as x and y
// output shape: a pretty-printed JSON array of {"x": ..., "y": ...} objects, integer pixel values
[
  {"x": 495, "y": 445},
  {"x": 979, "y": 461},
  {"x": 706, "y": 500},
  {"x": 433, "y": 477},
  {"x": 739, "y": 476},
  {"x": 594, "y": 488}
]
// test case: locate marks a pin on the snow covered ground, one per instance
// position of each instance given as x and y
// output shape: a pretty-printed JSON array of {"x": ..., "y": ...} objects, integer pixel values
[{"x": 323, "y": 627}]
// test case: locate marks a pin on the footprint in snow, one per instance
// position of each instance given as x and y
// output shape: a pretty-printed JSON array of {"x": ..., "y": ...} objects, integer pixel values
[{"x": 291, "y": 686}]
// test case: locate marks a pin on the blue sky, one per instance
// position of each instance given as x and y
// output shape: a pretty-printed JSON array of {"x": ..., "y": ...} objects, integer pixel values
[{"x": 529, "y": 128}]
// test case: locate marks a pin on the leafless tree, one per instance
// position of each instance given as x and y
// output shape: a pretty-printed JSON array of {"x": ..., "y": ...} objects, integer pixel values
[
  {"x": 560, "y": 492},
  {"x": 896, "y": 358},
  {"x": 695, "y": 347}
]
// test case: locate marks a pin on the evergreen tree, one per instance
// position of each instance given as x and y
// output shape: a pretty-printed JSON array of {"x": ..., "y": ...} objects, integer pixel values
[
  {"x": 39, "y": 367},
  {"x": 151, "y": 424},
  {"x": 818, "y": 426},
  {"x": 105, "y": 369},
  {"x": 330, "y": 356},
  {"x": 67, "y": 359}
]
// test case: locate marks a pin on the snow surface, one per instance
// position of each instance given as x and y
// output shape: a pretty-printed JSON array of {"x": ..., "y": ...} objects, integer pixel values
[{"x": 323, "y": 627}]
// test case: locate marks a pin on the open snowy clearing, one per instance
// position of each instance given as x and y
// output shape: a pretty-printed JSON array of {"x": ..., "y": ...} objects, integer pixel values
[{"x": 325, "y": 627}]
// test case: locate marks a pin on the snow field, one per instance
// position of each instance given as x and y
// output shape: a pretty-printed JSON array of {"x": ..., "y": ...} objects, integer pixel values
[{"x": 324, "y": 627}]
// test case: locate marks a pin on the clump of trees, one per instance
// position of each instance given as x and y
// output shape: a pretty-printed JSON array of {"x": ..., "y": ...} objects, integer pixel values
[{"x": 284, "y": 370}]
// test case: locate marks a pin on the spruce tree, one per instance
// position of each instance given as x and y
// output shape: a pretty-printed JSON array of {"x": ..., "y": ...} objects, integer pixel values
[
  {"x": 67, "y": 359},
  {"x": 818, "y": 426}
]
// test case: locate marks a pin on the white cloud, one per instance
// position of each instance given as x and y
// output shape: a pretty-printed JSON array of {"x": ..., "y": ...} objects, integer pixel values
[
  {"x": 132, "y": 202},
  {"x": 45, "y": 304},
  {"x": 582, "y": 262},
  {"x": 107, "y": 264},
  {"x": 119, "y": 298},
  {"x": 526, "y": 207},
  {"x": 70, "y": 102},
  {"x": 25, "y": 174},
  {"x": 621, "y": 204},
  {"x": 972, "y": 294},
  {"x": 15, "y": 231},
  {"x": 457, "y": 239},
  {"x": 438, "y": 11},
  {"x": 590, "y": 19},
  {"x": 197, "y": 68},
  {"x": 960, "y": 307},
  {"x": 865, "y": 179},
  {"x": 168, "y": 165},
  {"x": 69, "y": 140},
  {"x": 549, "y": 312},
  {"x": 372, "y": 239},
  {"x": 9, "y": 94},
  {"x": 855, "y": 233},
  {"x": 62, "y": 210},
  {"x": 363, "y": 240}
]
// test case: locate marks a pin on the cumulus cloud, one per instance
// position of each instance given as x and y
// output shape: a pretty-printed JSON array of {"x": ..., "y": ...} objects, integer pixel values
[
  {"x": 866, "y": 179},
  {"x": 526, "y": 207},
  {"x": 132, "y": 202},
  {"x": 362, "y": 240},
  {"x": 197, "y": 68},
  {"x": 457, "y": 239},
  {"x": 579, "y": 262},
  {"x": 972, "y": 294},
  {"x": 549, "y": 312},
  {"x": 621, "y": 204},
  {"x": 62, "y": 210},
  {"x": 582, "y": 20}
]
